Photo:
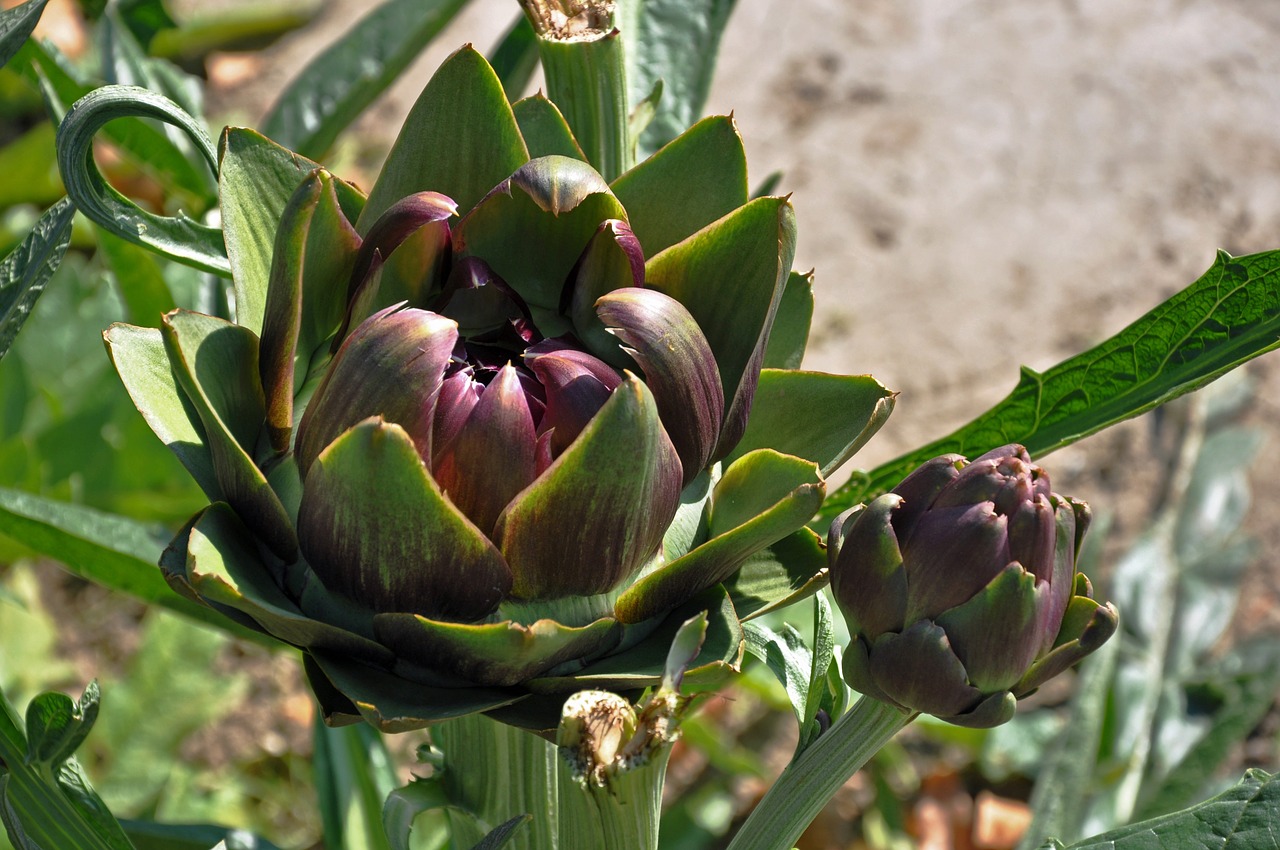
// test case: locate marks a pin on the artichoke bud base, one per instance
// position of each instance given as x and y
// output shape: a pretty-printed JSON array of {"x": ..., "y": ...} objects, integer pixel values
[{"x": 572, "y": 611}]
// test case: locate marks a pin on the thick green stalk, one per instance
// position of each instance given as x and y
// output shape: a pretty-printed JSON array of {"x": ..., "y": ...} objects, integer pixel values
[
  {"x": 497, "y": 772},
  {"x": 624, "y": 811},
  {"x": 582, "y": 58},
  {"x": 814, "y": 778}
]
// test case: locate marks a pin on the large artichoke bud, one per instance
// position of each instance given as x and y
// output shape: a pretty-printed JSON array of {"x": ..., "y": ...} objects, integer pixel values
[
  {"x": 960, "y": 588},
  {"x": 492, "y": 434}
]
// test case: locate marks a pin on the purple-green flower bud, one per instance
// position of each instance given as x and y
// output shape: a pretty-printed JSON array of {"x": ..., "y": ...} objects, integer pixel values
[{"x": 960, "y": 589}]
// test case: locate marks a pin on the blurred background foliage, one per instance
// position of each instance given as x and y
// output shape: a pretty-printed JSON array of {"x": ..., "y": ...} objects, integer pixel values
[{"x": 1164, "y": 717}]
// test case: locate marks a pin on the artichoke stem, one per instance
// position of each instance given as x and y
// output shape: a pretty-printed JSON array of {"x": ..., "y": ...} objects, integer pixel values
[
  {"x": 496, "y": 772},
  {"x": 610, "y": 796},
  {"x": 582, "y": 58},
  {"x": 812, "y": 779}
]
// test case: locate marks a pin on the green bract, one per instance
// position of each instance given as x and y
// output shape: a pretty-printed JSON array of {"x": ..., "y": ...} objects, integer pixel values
[
  {"x": 491, "y": 435},
  {"x": 960, "y": 588}
]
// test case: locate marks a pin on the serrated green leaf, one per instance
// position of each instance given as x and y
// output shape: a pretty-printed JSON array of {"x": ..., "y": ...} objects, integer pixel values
[
  {"x": 675, "y": 41},
  {"x": 1241, "y": 818},
  {"x": 16, "y": 25},
  {"x": 27, "y": 268},
  {"x": 1227, "y": 317},
  {"x": 348, "y": 75},
  {"x": 788, "y": 657},
  {"x": 824, "y": 647},
  {"x": 180, "y": 238}
]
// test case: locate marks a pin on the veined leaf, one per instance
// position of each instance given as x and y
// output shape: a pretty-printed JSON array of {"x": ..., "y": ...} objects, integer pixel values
[
  {"x": 344, "y": 79},
  {"x": 26, "y": 270},
  {"x": 1241, "y": 818},
  {"x": 1227, "y": 317}
]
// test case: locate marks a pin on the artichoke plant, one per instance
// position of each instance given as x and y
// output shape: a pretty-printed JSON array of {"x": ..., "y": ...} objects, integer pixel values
[
  {"x": 960, "y": 588},
  {"x": 491, "y": 434}
]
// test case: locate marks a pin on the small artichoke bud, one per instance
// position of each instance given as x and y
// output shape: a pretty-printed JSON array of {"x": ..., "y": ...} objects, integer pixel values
[{"x": 960, "y": 589}]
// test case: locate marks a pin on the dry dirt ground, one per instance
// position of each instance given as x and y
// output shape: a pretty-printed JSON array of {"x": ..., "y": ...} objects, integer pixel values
[{"x": 980, "y": 185}]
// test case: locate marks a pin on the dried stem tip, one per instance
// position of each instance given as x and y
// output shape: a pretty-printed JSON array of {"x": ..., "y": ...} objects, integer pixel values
[{"x": 570, "y": 20}]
